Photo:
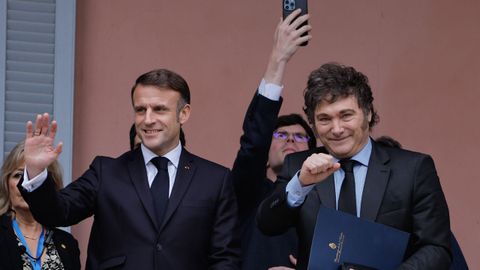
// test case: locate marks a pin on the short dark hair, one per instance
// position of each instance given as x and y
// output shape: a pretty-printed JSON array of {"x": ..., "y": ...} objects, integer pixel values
[
  {"x": 296, "y": 119},
  {"x": 332, "y": 81},
  {"x": 133, "y": 133},
  {"x": 164, "y": 78}
]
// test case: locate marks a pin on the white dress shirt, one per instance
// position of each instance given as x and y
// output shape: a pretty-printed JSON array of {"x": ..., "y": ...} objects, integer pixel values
[{"x": 173, "y": 157}]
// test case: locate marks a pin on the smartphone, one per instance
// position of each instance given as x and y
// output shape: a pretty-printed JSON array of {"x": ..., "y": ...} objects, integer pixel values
[{"x": 288, "y": 6}]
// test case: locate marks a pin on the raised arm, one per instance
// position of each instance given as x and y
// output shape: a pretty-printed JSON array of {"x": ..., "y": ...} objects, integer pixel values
[
  {"x": 249, "y": 169},
  {"x": 40, "y": 150},
  {"x": 286, "y": 42}
]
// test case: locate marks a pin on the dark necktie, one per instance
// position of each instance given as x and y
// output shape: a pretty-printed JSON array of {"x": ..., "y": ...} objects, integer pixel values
[
  {"x": 159, "y": 188},
  {"x": 347, "y": 200}
]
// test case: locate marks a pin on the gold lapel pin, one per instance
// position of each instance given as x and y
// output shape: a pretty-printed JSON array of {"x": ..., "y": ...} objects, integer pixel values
[{"x": 63, "y": 246}]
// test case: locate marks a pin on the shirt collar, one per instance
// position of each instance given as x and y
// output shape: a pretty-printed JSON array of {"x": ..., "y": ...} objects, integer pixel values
[
  {"x": 173, "y": 156},
  {"x": 363, "y": 157}
]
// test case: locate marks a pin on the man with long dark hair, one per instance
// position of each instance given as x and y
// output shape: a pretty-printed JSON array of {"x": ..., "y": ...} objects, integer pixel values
[{"x": 352, "y": 173}]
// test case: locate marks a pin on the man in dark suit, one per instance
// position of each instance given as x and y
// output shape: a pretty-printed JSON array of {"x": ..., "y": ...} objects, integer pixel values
[
  {"x": 258, "y": 161},
  {"x": 395, "y": 187},
  {"x": 263, "y": 146},
  {"x": 179, "y": 215}
]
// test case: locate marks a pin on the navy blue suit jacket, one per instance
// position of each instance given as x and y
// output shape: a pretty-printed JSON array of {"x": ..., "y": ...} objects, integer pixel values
[
  {"x": 198, "y": 231},
  {"x": 259, "y": 252},
  {"x": 10, "y": 255}
]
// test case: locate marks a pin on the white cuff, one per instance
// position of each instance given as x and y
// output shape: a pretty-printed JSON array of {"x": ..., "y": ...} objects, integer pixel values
[
  {"x": 270, "y": 90},
  {"x": 32, "y": 184}
]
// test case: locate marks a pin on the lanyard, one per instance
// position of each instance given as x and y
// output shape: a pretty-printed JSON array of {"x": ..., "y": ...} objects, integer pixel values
[{"x": 35, "y": 261}]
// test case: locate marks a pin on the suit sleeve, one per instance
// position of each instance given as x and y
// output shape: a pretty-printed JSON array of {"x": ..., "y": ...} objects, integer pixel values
[
  {"x": 225, "y": 243},
  {"x": 249, "y": 168},
  {"x": 274, "y": 215},
  {"x": 68, "y": 206},
  {"x": 431, "y": 223}
]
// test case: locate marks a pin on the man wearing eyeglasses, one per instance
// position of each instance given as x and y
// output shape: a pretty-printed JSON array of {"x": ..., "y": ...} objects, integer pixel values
[
  {"x": 263, "y": 146},
  {"x": 292, "y": 134}
]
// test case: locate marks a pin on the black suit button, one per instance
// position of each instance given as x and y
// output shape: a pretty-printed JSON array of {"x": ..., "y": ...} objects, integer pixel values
[{"x": 159, "y": 247}]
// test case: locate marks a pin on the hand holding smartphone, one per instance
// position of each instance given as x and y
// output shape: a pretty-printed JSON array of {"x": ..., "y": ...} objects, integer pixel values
[{"x": 288, "y": 6}]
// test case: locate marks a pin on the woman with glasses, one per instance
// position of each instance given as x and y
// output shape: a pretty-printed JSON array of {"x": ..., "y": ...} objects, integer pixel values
[{"x": 25, "y": 243}]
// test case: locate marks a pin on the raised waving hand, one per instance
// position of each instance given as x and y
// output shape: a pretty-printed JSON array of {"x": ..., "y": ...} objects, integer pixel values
[{"x": 40, "y": 150}]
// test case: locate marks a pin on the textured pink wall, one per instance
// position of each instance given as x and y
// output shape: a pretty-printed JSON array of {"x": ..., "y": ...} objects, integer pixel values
[{"x": 421, "y": 58}]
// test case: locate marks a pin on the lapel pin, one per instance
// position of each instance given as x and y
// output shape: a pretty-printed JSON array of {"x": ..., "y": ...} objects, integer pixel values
[
  {"x": 63, "y": 246},
  {"x": 186, "y": 167}
]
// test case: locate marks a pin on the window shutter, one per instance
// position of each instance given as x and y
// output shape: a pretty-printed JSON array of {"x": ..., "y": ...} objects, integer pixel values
[
  {"x": 36, "y": 71},
  {"x": 29, "y": 69}
]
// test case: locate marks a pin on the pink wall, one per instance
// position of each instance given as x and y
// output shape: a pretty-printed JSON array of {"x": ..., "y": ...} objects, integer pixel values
[{"x": 421, "y": 58}]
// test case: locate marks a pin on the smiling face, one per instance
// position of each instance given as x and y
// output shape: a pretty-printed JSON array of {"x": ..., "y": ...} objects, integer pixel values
[
  {"x": 282, "y": 147},
  {"x": 342, "y": 126},
  {"x": 157, "y": 117}
]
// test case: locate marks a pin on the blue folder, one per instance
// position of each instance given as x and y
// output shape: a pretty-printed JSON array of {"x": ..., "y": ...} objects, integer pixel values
[{"x": 342, "y": 238}]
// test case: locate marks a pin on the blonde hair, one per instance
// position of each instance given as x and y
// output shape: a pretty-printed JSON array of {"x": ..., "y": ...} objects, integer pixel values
[{"x": 14, "y": 160}]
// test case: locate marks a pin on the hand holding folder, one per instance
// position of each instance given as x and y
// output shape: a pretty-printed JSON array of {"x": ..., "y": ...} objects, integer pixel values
[{"x": 343, "y": 241}]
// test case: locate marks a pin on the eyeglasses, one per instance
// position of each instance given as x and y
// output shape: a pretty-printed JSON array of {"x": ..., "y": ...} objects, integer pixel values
[{"x": 297, "y": 137}]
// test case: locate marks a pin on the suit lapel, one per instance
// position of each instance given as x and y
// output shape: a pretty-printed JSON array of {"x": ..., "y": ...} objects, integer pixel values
[
  {"x": 375, "y": 183},
  {"x": 138, "y": 176},
  {"x": 325, "y": 189},
  {"x": 326, "y": 192},
  {"x": 7, "y": 237},
  {"x": 185, "y": 171}
]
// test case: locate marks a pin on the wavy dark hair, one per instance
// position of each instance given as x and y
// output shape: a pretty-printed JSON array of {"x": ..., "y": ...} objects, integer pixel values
[{"x": 332, "y": 81}]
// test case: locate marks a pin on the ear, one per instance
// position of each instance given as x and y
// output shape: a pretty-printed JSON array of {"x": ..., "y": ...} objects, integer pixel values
[
  {"x": 369, "y": 116},
  {"x": 184, "y": 114}
]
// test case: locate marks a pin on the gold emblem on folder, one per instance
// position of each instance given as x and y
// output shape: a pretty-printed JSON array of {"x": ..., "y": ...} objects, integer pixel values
[{"x": 332, "y": 245}]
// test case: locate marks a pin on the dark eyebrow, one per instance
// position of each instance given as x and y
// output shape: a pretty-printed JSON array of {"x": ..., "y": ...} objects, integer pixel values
[
  {"x": 322, "y": 115},
  {"x": 347, "y": 111},
  {"x": 161, "y": 107}
]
